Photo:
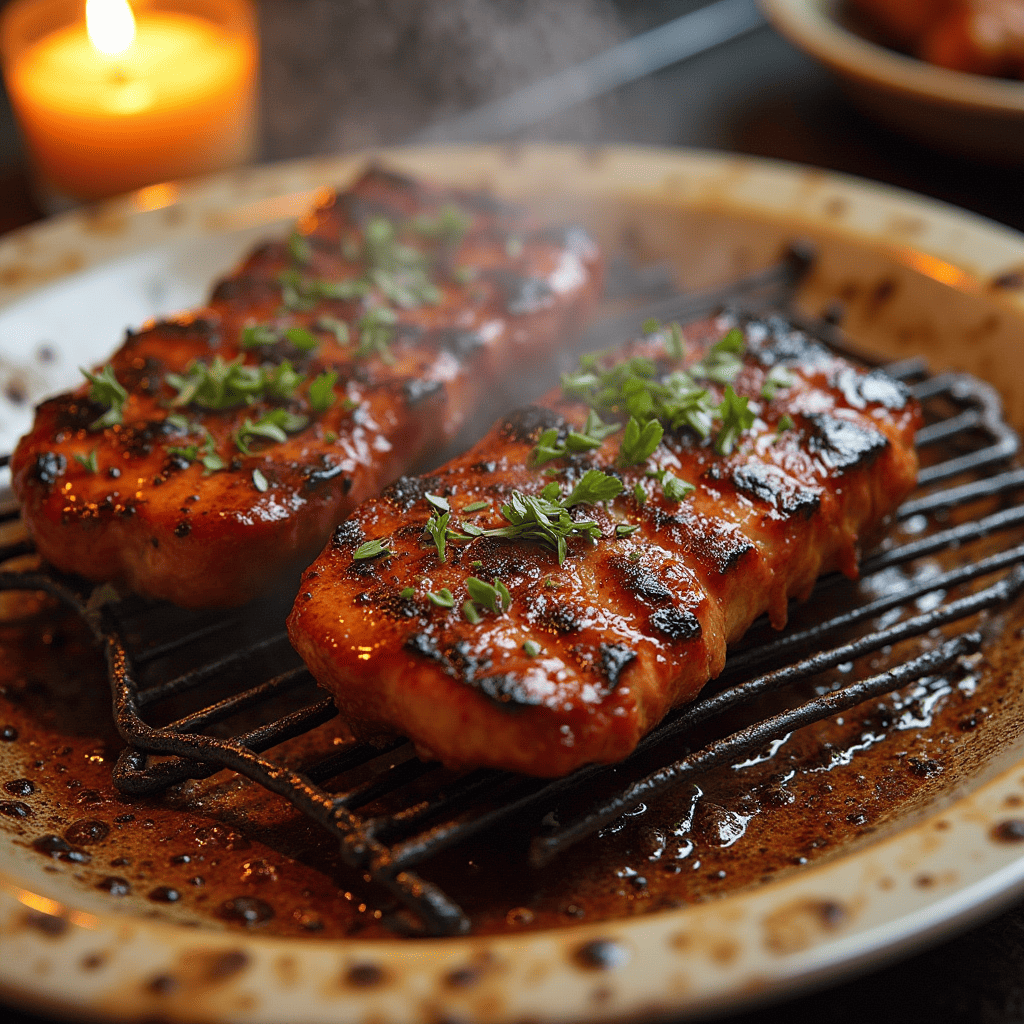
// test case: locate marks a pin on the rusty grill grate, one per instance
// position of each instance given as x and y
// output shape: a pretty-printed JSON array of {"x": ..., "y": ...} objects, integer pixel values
[{"x": 164, "y": 663}]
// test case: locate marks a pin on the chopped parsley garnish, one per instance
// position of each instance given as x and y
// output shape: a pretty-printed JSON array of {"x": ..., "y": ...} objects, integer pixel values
[
  {"x": 437, "y": 527},
  {"x": 438, "y": 502},
  {"x": 495, "y": 598},
  {"x": 470, "y": 611},
  {"x": 653, "y": 403},
  {"x": 88, "y": 462},
  {"x": 108, "y": 392},
  {"x": 594, "y": 431},
  {"x": 476, "y": 506},
  {"x": 321, "y": 391},
  {"x": 332, "y": 325},
  {"x": 443, "y": 598},
  {"x": 406, "y": 592},
  {"x": 299, "y": 249},
  {"x": 217, "y": 385},
  {"x": 281, "y": 382},
  {"x": 723, "y": 361},
  {"x": 274, "y": 425},
  {"x": 778, "y": 379},
  {"x": 303, "y": 340},
  {"x": 785, "y": 423},
  {"x": 531, "y": 648},
  {"x": 545, "y": 517},
  {"x": 258, "y": 336},
  {"x": 377, "y": 329},
  {"x": 625, "y": 529},
  {"x": 672, "y": 487},
  {"x": 300, "y": 293},
  {"x": 371, "y": 549},
  {"x": 259, "y": 481},
  {"x": 737, "y": 416},
  {"x": 205, "y": 453},
  {"x": 448, "y": 225},
  {"x": 640, "y": 494},
  {"x": 638, "y": 443}
]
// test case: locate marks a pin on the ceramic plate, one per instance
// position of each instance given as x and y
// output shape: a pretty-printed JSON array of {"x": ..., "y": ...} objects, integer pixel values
[
  {"x": 973, "y": 115},
  {"x": 916, "y": 276}
]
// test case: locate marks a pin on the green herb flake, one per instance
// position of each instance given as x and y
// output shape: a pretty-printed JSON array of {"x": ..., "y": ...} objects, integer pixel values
[
  {"x": 496, "y": 598},
  {"x": 531, "y": 648},
  {"x": 438, "y": 502},
  {"x": 437, "y": 527},
  {"x": 778, "y": 379},
  {"x": 321, "y": 393},
  {"x": 407, "y": 592},
  {"x": 471, "y": 613},
  {"x": 259, "y": 336},
  {"x": 674, "y": 342},
  {"x": 259, "y": 481},
  {"x": 108, "y": 392},
  {"x": 640, "y": 494},
  {"x": 639, "y": 442},
  {"x": 377, "y": 330},
  {"x": 674, "y": 488},
  {"x": 299, "y": 249},
  {"x": 625, "y": 529},
  {"x": 785, "y": 423},
  {"x": 476, "y": 506},
  {"x": 88, "y": 462},
  {"x": 332, "y": 325},
  {"x": 443, "y": 598},
  {"x": 275, "y": 426},
  {"x": 737, "y": 416},
  {"x": 476, "y": 564},
  {"x": 303, "y": 339},
  {"x": 371, "y": 549},
  {"x": 551, "y": 584},
  {"x": 595, "y": 487},
  {"x": 651, "y": 326}
]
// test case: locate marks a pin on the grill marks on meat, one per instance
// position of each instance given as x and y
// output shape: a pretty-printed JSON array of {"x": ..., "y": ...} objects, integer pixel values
[
  {"x": 155, "y": 522},
  {"x": 628, "y": 626}
]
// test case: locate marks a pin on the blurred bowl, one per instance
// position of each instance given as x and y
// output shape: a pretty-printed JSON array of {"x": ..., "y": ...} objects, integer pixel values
[{"x": 970, "y": 115}]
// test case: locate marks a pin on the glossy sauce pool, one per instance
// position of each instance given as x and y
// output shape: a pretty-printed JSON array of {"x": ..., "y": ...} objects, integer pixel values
[{"x": 223, "y": 853}]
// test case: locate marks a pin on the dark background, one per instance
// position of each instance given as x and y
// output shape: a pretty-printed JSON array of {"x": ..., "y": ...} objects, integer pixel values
[{"x": 341, "y": 75}]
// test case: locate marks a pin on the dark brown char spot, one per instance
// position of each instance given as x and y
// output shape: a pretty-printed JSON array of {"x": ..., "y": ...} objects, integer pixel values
[
  {"x": 1010, "y": 280},
  {"x": 164, "y": 894},
  {"x": 601, "y": 955},
  {"x": 8, "y": 734},
  {"x": 246, "y": 910},
  {"x": 86, "y": 831},
  {"x": 843, "y": 445},
  {"x": 15, "y": 809},
  {"x": 775, "y": 488},
  {"x": 225, "y": 965},
  {"x": 524, "y": 425},
  {"x": 365, "y": 976},
  {"x": 49, "y": 924},
  {"x": 114, "y": 885},
  {"x": 463, "y": 977},
  {"x": 1009, "y": 831}
]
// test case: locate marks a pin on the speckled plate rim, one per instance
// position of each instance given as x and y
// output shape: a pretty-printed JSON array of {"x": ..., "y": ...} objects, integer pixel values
[
  {"x": 63, "y": 954},
  {"x": 811, "y": 25}
]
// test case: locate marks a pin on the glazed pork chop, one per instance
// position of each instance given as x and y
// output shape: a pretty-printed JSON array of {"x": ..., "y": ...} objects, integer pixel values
[
  {"x": 542, "y": 601},
  {"x": 218, "y": 449}
]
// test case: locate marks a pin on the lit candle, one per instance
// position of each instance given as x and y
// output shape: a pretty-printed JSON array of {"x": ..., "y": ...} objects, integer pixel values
[{"x": 121, "y": 100}]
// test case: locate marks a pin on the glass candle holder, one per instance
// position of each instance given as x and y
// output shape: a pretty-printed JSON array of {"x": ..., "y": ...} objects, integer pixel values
[{"x": 133, "y": 96}]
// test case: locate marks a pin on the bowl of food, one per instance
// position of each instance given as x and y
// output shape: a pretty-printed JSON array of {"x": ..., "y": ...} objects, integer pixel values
[
  {"x": 887, "y": 65},
  {"x": 221, "y": 867}
]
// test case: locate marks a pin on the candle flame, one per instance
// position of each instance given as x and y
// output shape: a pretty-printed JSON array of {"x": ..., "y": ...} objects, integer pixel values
[{"x": 110, "y": 24}]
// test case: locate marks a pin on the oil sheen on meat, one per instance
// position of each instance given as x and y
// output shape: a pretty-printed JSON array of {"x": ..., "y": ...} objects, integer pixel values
[
  {"x": 319, "y": 371},
  {"x": 589, "y": 655}
]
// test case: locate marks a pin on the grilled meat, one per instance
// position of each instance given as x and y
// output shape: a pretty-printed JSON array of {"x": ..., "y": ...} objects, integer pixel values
[
  {"x": 550, "y": 666},
  {"x": 218, "y": 449}
]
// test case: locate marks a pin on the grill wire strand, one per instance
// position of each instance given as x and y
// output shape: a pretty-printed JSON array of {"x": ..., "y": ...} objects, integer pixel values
[{"x": 386, "y": 847}]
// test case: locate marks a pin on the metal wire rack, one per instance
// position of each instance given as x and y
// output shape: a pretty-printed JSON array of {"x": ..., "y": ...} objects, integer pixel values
[{"x": 185, "y": 702}]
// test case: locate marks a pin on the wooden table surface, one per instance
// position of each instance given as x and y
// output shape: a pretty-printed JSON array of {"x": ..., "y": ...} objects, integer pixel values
[{"x": 759, "y": 96}]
